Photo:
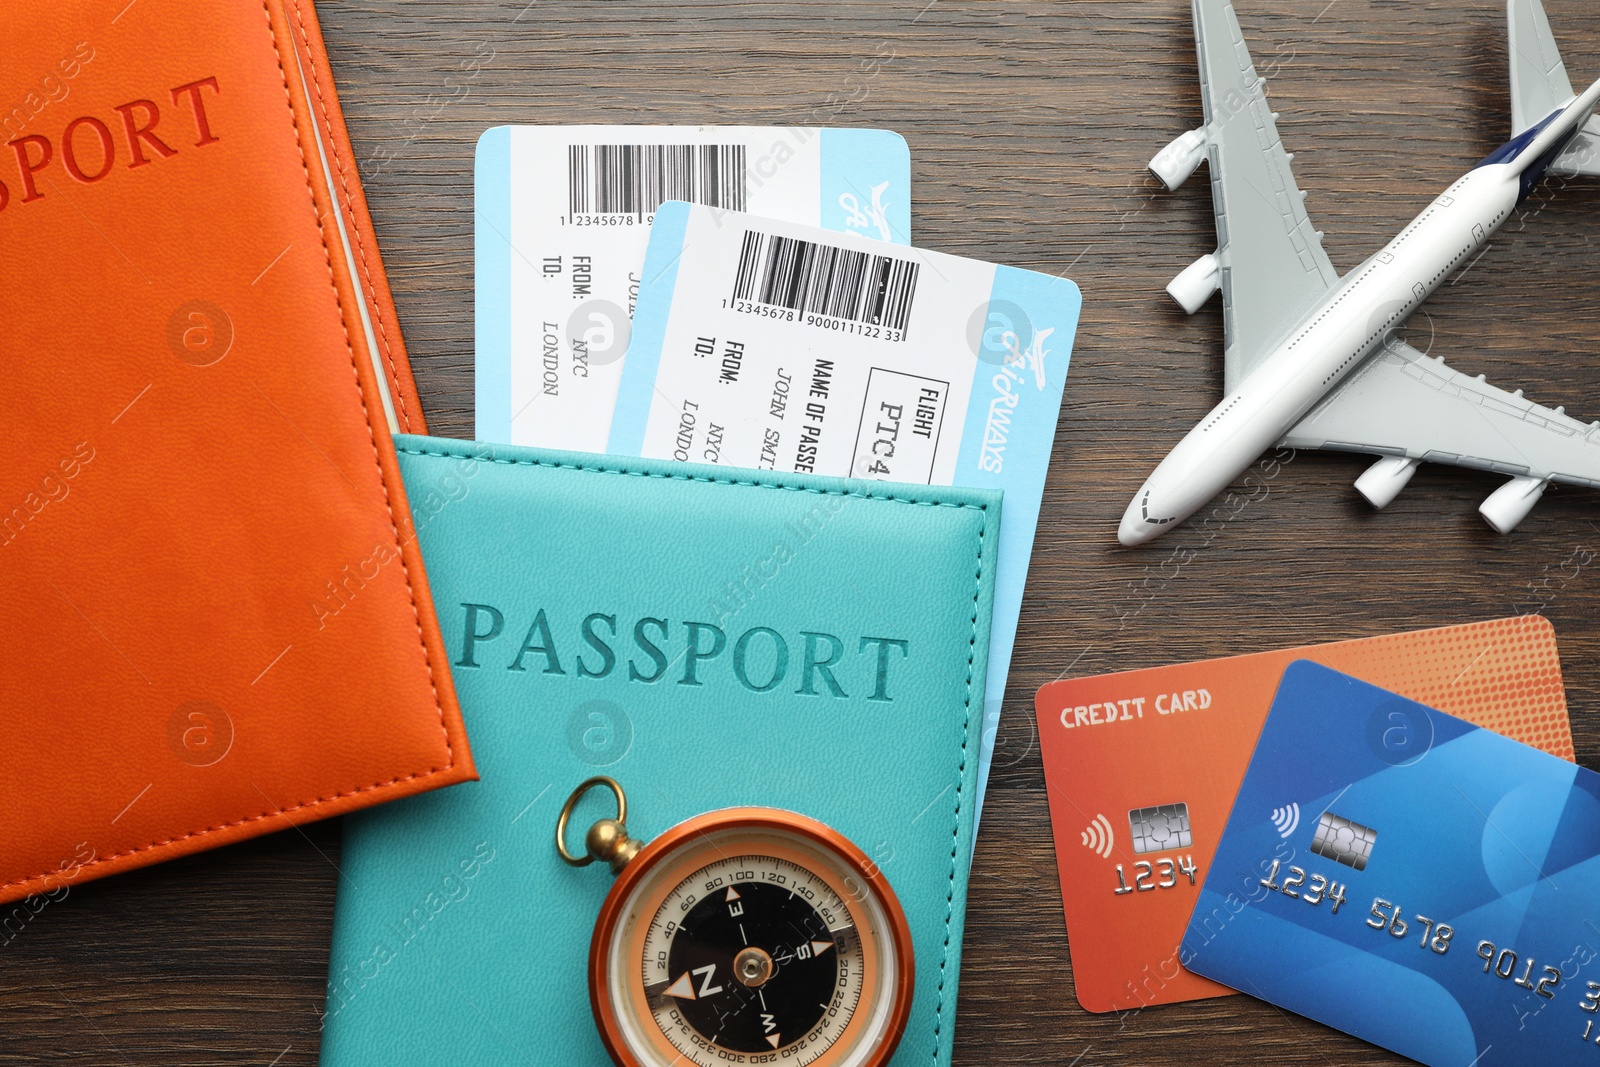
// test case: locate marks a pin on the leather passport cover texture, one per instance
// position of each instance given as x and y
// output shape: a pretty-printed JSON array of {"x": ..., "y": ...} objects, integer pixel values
[
  {"x": 569, "y": 587},
  {"x": 216, "y": 616}
]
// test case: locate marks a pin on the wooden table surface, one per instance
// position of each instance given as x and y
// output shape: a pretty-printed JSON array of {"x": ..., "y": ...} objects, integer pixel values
[{"x": 1030, "y": 123}]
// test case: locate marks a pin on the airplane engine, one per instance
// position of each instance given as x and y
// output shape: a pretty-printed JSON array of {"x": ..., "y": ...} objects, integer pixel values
[
  {"x": 1384, "y": 479},
  {"x": 1198, "y": 283},
  {"x": 1175, "y": 163},
  {"x": 1511, "y": 503}
]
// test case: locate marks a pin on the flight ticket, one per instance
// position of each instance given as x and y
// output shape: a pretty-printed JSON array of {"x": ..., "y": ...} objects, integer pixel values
[
  {"x": 778, "y": 346},
  {"x": 563, "y": 215}
]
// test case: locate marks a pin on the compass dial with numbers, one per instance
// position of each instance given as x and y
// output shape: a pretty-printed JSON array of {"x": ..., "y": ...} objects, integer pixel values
[
  {"x": 752, "y": 953},
  {"x": 751, "y": 936}
]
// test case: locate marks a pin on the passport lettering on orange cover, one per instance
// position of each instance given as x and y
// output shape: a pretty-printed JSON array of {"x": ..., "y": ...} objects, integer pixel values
[{"x": 215, "y": 612}]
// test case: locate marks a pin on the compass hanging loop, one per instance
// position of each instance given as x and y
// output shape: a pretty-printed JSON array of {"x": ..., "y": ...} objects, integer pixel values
[
  {"x": 746, "y": 932},
  {"x": 607, "y": 839}
]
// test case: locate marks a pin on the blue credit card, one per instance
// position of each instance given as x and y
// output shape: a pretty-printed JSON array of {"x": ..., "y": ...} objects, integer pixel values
[{"x": 1400, "y": 874}]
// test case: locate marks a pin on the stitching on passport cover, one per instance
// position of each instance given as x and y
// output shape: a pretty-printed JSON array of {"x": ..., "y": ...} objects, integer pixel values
[
  {"x": 372, "y": 438},
  {"x": 759, "y": 483},
  {"x": 274, "y": 814},
  {"x": 961, "y": 770},
  {"x": 344, "y": 180},
  {"x": 972, "y": 641},
  {"x": 410, "y": 592}
]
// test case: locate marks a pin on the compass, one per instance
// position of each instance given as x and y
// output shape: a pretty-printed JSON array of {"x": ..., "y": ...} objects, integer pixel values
[{"x": 747, "y": 935}]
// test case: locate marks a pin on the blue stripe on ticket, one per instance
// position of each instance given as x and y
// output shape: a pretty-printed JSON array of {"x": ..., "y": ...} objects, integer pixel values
[
  {"x": 1404, "y": 876},
  {"x": 858, "y": 187},
  {"x": 1023, "y": 353},
  {"x": 492, "y": 294},
  {"x": 660, "y": 281}
]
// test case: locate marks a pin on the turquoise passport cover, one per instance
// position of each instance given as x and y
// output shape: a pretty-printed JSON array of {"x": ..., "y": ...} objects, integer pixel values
[{"x": 571, "y": 590}]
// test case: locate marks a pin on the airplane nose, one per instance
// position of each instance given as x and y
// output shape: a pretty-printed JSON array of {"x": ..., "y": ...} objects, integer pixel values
[{"x": 1134, "y": 530}]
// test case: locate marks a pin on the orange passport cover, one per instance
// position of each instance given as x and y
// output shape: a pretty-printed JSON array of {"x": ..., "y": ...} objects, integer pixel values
[
  {"x": 216, "y": 617},
  {"x": 1184, "y": 734}
]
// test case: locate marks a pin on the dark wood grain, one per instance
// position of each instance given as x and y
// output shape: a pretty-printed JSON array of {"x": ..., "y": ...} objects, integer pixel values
[{"x": 1030, "y": 122}]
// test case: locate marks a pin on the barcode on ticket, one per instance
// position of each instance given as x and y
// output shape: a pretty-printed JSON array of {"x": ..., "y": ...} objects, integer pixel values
[
  {"x": 636, "y": 179},
  {"x": 811, "y": 278}
]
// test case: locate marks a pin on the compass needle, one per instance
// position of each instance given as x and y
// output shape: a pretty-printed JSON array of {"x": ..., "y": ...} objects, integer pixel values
[{"x": 728, "y": 935}]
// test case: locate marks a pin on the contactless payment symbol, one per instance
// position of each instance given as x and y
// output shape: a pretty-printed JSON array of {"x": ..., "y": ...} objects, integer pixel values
[
  {"x": 1343, "y": 841},
  {"x": 1099, "y": 837},
  {"x": 1287, "y": 820}
]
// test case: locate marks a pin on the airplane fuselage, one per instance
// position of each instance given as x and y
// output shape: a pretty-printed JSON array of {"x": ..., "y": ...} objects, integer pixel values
[{"x": 1335, "y": 338}]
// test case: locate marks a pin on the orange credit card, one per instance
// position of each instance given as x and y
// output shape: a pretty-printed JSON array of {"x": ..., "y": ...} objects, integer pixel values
[{"x": 1142, "y": 769}]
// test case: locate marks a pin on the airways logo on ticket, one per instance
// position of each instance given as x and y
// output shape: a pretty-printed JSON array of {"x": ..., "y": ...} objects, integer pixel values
[
  {"x": 766, "y": 344},
  {"x": 1143, "y": 767},
  {"x": 1409, "y": 878}
]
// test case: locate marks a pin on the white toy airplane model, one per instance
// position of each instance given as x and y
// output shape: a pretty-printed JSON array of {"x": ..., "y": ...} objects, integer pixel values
[{"x": 1312, "y": 359}]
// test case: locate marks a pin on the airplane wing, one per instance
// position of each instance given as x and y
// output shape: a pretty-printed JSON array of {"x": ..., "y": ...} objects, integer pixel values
[
  {"x": 1403, "y": 403},
  {"x": 1273, "y": 267}
]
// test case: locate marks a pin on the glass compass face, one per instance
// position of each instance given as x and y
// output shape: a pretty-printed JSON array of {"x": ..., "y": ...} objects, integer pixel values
[{"x": 750, "y": 936}]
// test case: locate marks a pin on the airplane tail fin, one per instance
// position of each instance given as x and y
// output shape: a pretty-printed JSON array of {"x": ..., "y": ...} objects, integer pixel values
[
  {"x": 1539, "y": 82},
  {"x": 1540, "y": 86}
]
